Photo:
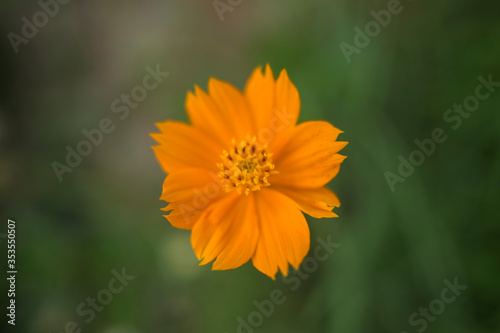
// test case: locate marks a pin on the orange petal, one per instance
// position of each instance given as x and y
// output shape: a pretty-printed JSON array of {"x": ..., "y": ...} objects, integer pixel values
[
  {"x": 309, "y": 159},
  {"x": 234, "y": 109},
  {"x": 260, "y": 94},
  {"x": 206, "y": 116},
  {"x": 190, "y": 191},
  {"x": 183, "y": 146},
  {"x": 317, "y": 202},
  {"x": 183, "y": 215},
  {"x": 223, "y": 113},
  {"x": 285, "y": 112},
  {"x": 287, "y": 102},
  {"x": 227, "y": 231},
  {"x": 284, "y": 233}
]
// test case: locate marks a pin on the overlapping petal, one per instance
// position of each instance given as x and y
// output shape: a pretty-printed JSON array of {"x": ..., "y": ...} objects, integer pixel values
[
  {"x": 284, "y": 234},
  {"x": 239, "y": 228},
  {"x": 275, "y": 105},
  {"x": 183, "y": 146},
  {"x": 190, "y": 191},
  {"x": 223, "y": 113},
  {"x": 227, "y": 232},
  {"x": 309, "y": 159},
  {"x": 317, "y": 202}
]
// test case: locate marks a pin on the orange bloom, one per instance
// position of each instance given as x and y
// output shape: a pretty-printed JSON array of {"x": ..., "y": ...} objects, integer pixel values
[{"x": 241, "y": 174}]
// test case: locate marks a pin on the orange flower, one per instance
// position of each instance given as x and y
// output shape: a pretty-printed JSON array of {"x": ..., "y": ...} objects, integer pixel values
[{"x": 242, "y": 172}]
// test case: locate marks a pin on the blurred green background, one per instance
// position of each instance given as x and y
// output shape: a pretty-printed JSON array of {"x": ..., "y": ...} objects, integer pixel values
[{"x": 396, "y": 249}]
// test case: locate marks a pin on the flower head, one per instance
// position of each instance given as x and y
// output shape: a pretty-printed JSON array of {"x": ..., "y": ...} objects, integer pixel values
[{"x": 241, "y": 174}]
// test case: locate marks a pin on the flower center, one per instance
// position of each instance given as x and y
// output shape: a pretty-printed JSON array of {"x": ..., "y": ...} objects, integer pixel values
[{"x": 246, "y": 167}]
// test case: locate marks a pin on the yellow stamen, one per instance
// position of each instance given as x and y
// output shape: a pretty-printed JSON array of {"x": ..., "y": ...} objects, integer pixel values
[{"x": 246, "y": 167}]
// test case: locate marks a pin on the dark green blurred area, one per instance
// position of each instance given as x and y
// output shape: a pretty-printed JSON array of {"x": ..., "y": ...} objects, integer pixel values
[{"x": 396, "y": 249}]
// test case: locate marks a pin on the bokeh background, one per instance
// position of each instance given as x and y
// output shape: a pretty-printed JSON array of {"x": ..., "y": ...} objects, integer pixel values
[{"x": 396, "y": 247}]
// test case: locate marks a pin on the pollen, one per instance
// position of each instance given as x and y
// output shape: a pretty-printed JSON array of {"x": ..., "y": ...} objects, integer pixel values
[{"x": 246, "y": 166}]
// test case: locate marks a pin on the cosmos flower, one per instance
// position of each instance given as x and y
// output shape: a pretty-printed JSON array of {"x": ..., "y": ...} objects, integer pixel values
[{"x": 242, "y": 172}]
